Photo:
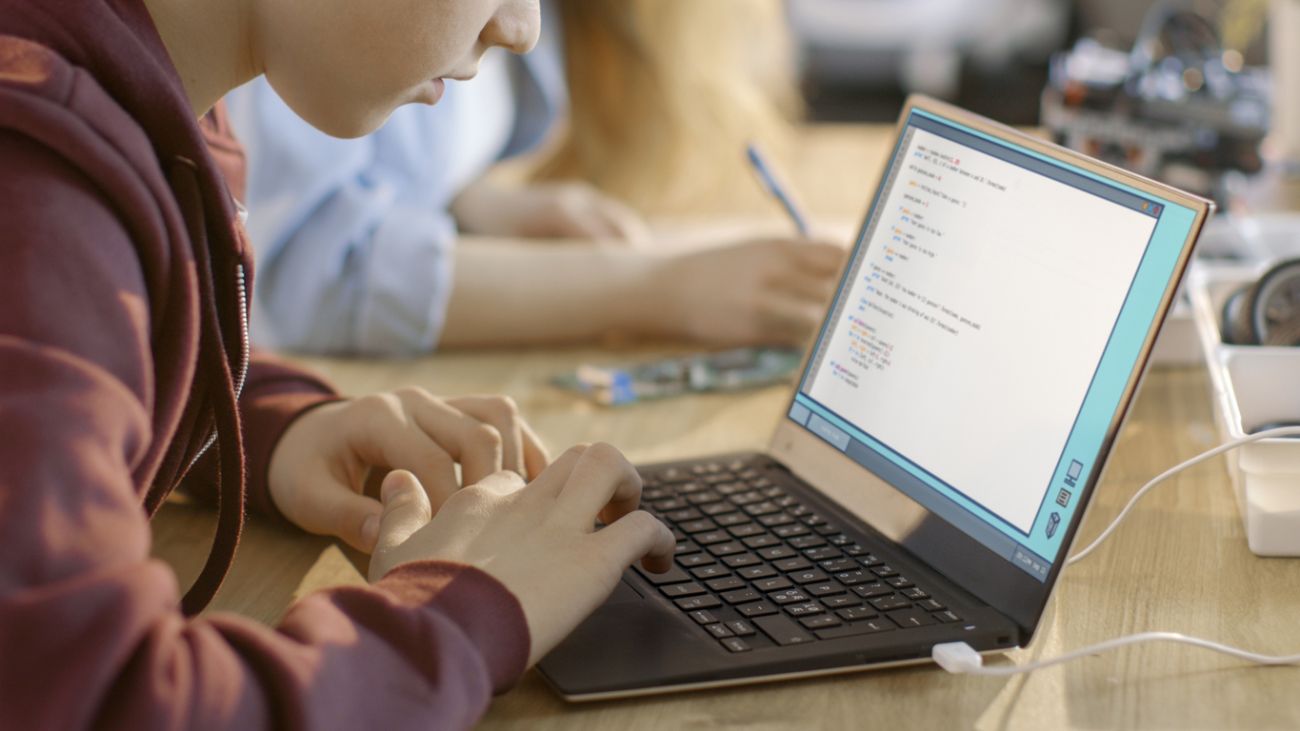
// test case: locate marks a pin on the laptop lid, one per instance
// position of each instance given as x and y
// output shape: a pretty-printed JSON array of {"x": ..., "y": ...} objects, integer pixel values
[{"x": 988, "y": 334}]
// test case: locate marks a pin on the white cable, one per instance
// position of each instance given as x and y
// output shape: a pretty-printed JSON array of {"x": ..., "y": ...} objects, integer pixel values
[
  {"x": 959, "y": 657},
  {"x": 1282, "y": 431}
]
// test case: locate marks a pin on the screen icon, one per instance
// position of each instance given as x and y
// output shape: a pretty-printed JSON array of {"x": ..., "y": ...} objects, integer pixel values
[
  {"x": 1053, "y": 522},
  {"x": 1063, "y": 497},
  {"x": 1072, "y": 474}
]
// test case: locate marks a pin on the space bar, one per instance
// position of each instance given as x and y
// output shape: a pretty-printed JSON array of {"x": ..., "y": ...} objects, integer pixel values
[{"x": 781, "y": 630}]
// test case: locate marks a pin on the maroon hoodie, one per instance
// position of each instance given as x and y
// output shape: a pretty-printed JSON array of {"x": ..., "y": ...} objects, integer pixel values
[{"x": 124, "y": 369}]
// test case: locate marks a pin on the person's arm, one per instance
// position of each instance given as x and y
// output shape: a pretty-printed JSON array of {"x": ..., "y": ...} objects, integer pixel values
[
  {"x": 91, "y": 634},
  {"x": 760, "y": 291},
  {"x": 353, "y": 237}
]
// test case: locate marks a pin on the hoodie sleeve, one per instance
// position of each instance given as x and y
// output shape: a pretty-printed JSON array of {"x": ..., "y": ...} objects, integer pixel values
[{"x": 91, "y": 634}]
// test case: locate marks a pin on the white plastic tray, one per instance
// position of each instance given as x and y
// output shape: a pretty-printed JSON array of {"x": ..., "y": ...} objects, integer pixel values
[{"x": 1252, "y": 385}]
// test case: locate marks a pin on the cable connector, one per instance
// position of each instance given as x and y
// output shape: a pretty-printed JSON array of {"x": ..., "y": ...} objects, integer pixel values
[{"x": 957, "y": 657}]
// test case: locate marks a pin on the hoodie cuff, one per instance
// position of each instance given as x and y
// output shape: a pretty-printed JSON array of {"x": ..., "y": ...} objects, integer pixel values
[{"x": 484, "y": 609}]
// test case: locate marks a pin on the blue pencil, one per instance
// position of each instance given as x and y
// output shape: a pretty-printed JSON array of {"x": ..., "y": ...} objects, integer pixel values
[{"x": 774, "y": 188}]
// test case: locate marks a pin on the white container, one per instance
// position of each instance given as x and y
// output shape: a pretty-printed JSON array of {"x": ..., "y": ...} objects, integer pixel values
[{"x": 1252, "y": 386}]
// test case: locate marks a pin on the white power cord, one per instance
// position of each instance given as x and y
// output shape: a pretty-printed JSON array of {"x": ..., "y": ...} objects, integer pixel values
[
  {"x": 1282, "y": 431},
  {"x": 959, "y": 657}
]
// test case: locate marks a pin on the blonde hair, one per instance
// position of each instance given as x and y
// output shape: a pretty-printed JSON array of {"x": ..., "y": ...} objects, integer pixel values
[{"x": 664, "y": 94}]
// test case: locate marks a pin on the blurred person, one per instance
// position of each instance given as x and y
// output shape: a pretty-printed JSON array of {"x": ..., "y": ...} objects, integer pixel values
[{"x": 400, "y": 242}]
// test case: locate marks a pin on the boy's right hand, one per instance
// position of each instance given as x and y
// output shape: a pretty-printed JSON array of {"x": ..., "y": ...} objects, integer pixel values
[
  {"x": 764, "y": 291},
  {"x": 538, "y": 539}
]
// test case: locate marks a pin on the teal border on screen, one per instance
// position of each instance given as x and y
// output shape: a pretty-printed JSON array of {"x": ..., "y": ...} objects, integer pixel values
[{"x": 1102, "y": 400}]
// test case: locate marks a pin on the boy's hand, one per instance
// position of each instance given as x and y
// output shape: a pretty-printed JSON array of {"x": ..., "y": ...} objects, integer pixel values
[
  {"x": 539, "y": 539},
  {"x": 319, "y": 466}
]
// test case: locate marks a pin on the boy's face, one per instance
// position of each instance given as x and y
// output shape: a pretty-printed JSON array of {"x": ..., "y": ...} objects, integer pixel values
[{"x": 344, "y": 65}]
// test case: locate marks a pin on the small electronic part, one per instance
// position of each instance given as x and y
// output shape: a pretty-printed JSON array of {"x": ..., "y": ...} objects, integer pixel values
[{"x": 729, "y": 370}]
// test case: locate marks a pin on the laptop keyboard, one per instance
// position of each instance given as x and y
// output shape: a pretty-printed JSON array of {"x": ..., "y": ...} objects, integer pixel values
[{"x": 755, "y": 567}]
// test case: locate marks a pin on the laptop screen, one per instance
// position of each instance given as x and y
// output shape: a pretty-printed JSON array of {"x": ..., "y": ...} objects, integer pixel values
[{"x": 990, "y": 317}]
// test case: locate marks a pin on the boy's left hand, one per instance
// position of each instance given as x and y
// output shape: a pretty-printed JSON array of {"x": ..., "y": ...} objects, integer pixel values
[{"x": 319, "y": 467}]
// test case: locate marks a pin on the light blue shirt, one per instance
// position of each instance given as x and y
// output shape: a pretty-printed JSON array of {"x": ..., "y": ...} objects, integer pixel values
[{"x": 353, "y": 237}]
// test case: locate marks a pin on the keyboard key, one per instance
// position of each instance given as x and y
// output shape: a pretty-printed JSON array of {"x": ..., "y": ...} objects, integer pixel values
[
  {"x": 672, "y": 474},
  {"x": 681, "y": 516},
  {"x": 870, "y": 560},
  {"x": 929, "y": 605},
  {"x": 717, "y": 509},
  {"x": 726, "y": 549},
  {"x": 824, "y": 588},
  {"x": 854, "y": 577},
  {"x": 813, "y": 519},
  {"x": 673, "y": 576},
  {"x": 750, "y": 532},
  {"x": 792, "y": 564},
  {"x": 710, "y": 572},
  {"x": 741, "y": 596},
  {"x": 913, "y": 617},
  {"x": 735, "y": 644},
  {"x": 689, "y": 488},
  {"x": 775, "y": 583},
  {"x": 837, "y": 565},
  {"x": 947, "y": 616},
  {"x": 686, "y": 547},
  {"x": 776, "y": 519},
  {"x": 733, "y": 519},
  {"x": 899, "y": 582},
  {"x": 747, "y": 498},
  {"x": 888, "y": 603},
  {"x": 854, "y": 614},
  {"x": 853, "y": 549},
  {"x": 782, "y": 631},
  {"x": 726, "y": 583},
  {"x": 767, "y": 507},
  {"x": 841, "y": 600},
  {"x": 740, "y": 627},
  {"x": 698, "y": 526},
  {"x": 838, "y": 539},
  {"x": 915, "y": 593},
  {"x": 761, "y": 541},
  {"x": 714, "y": 536},
  {"x": 809, "y": 541},
  {"x": 884, "y": 571},
  {"x": 800, "y": 510},
  {"x": 820, "y": 622},
  {"x": 690, "y": 588},
  {"x": 800, "y": 610},
  {"x": 757, "y": 609},
  {"x": 874, "y": 589},
  {"x": 740, "y": 560},
  {"x": 761, "y": 571},
  {"x": 827, "y": 529},
  {"x": 718, "y": 630},
  {"x": 808, "y": 576},
  {"x": 822, "y": 553},
  {"x": 695, "y": 559},
  {"x": 649, "y": 495},
  {"x": 773, "y": 553},
  {"x": 788, "y": 596},
  {"x": 678, "y": 535},
  {"x": 703, "y": 498},
  {"x": 707, "y": 601},
  {"x": 791, "y": 530},
  {"x": 668, "y": 504},
  {"x": 870, "y": 626},
  {"x": 703, "y": 616},
  {"x": 730, "y": 488}
]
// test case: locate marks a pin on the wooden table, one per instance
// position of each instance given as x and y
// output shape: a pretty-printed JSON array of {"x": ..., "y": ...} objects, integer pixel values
[{"x": 1180, "y": 563}]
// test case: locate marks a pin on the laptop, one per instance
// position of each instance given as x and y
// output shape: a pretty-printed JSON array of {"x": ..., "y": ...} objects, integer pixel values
[{"x": 952, "y": 419}]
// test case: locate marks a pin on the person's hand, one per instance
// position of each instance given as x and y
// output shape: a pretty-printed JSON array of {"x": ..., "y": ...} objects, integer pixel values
[
  {"x": 548, "y": 211},
  {"x": 539, "y": 539},
  {"x": 318, "y": 469},
  {"x": 770, "y": 292}
]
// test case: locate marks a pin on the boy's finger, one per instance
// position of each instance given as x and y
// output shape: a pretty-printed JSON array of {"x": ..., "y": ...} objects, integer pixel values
[{"x": 406, "y": 509}]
